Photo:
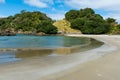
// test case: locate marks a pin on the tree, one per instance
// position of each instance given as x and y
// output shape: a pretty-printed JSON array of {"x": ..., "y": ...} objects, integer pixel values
[
  {"x": 28, "y": 21},
  {"x": 46, "y": 27},
  {"x": 87, "y": 12},
  {"x": 111, "y": 20},
  {"x": 72, "y": 14},
  {"x": 87, "y": 21},
  {"x": 96, "y": 17},
  {"x": 22, "y": 11},
  {"x": 78, "y": 23}
]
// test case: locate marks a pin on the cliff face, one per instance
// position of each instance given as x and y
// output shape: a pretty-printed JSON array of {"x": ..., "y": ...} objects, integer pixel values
[{"x": 64, "y": 27}]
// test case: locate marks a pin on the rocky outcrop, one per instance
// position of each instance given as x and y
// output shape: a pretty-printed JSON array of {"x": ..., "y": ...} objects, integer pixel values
[
  {"x": 40, "y": 34},
  {"x": 7, "y": 33}
]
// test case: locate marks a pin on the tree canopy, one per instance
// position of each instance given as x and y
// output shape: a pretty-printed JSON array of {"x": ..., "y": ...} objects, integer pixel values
[
  {"x": 87, "y": 21},
  {"x": 29, "y": 21}
]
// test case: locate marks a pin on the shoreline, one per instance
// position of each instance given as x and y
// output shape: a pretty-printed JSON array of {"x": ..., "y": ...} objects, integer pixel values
[
  {"x": 104, "y": 67},
  {"x": 65, "y": 69}
]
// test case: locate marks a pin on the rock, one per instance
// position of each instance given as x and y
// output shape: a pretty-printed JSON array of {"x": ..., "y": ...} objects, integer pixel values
[
  {"x": 7, "y": 33},
  {"x": 40, "y": 34}
]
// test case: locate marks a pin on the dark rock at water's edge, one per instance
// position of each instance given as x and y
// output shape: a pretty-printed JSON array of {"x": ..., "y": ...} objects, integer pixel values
[
  {"x": 40, "y": 34},
  {"x": 7, "y": 33},
  {"x": 13, "y": 33},
  {"x": 30, "y": 33}
]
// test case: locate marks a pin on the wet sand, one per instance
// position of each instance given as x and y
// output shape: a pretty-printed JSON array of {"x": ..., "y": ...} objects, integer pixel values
[{"x": 102, "y": 63}]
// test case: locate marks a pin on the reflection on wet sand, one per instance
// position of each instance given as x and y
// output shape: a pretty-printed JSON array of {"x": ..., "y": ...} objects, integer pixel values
[
  {"x": 33, "y": 53},
  {"x": 28, "y": 53},
  {"x": 16, "y": 54}
]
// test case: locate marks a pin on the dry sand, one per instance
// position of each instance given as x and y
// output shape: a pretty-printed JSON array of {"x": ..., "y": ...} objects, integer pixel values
[{"x": 102, "y": 63}]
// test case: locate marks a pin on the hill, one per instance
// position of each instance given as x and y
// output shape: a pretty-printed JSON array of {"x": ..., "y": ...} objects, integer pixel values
[
  {"x": 64, "y": 27},
  {"x": 27, "y": 22}
]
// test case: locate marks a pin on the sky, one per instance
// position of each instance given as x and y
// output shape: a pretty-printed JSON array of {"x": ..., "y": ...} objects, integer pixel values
[{"x": 57, "y": 8}]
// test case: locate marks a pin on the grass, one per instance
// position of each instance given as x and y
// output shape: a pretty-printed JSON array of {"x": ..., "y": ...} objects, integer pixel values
[{"x": 64, "y": 27}]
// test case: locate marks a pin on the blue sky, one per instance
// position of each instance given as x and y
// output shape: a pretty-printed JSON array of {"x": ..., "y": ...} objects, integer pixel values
[{"x": 57, "y": 8}]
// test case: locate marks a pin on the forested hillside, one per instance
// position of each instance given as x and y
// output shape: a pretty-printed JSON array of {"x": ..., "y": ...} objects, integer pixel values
[
  {"x": 88, "y": 22},
  {"x": 76, "y": 21},
  {"x": 32, "y": 22}
]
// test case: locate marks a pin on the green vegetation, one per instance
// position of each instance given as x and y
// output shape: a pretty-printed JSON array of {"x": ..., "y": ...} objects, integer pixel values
[
  {"x": 46, "y": 27},
  {"x": 33, "y": 22},
  {"x": 76, "y": 21},
  {"x": 115, "y": 27},
  {"x": 88, "y": 22},
  {"x": 115, "y": 30}
]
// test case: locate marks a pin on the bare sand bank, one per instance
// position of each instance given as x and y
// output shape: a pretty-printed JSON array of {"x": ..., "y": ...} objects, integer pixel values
[{"x": 98, "y": 64}]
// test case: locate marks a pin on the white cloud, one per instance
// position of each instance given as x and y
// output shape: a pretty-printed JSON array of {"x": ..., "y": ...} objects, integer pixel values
[
  {"x": 95, "y": 4},
  {"x": 48, "y": 1},
  {"x": 112, "y": 6},
  {"x": 57, "y": 16},
  {"x": 36, "y": 3},
  {"x": 2, "y": 1},
  {"x": 2, "y": 16},
  {"x": 113, "y": 15}
]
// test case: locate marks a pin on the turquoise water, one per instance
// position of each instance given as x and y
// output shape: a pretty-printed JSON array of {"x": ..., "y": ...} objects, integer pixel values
[
  {"x": 42, "y": 45},
  {"x": 26, "y": 41}
]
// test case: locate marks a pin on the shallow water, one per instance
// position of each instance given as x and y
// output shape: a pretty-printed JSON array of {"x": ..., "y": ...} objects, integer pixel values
[
  {"x": 25, "y": 41},
  {"x": 38, "y": 46}
]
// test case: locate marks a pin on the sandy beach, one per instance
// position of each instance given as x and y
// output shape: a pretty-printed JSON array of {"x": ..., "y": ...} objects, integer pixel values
[{"x": 101, "y": 63}]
